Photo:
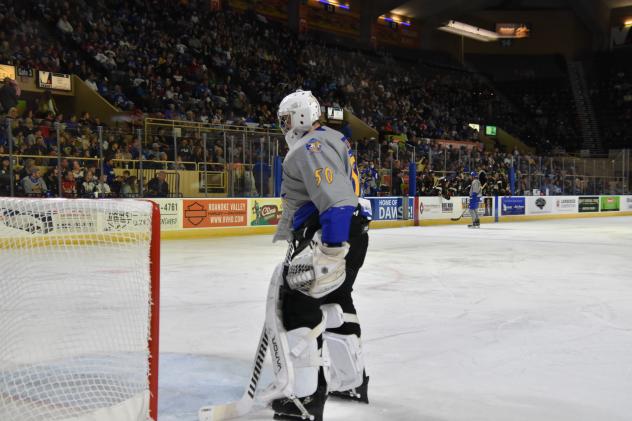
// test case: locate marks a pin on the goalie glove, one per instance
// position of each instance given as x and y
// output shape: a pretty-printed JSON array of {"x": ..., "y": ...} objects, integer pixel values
[{"x": 318, "y": 269}]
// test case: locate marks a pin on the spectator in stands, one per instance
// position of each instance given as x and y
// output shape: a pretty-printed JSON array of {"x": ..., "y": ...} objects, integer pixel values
[
  {"x": 90, "y": 81},
  {"x": 89, "y": 184},
  {"x": 27, "y": 170},
  {"x": 262, "y": 172},
  {"x": 102, "y": 188},
  {"x": 125, "y": 153},
  {"x": 129, "y": 188},
  {"x": 178, "y": 165},
  {"x": 108, "y": 170},
  {"x": 52, "y": 181},
  {"x": 69, "y": 186},
  {"x": 397, "y": 179},
  {"x": 63, "y": 25},
  {"x": 65, "y": 166},
  {"x": 5, "y": 177},
  {"x": 34, "y": 185},
  {"x": 47, "y": 107},
  {"x": 158, "y": 186},
  {"x": 9, "y": 94},
  {"x": 163, "y": 162},
  {"x": 154, "y": 154},
  {"x": 116, "y": 186},
  {"x": 77, "y": 171}
]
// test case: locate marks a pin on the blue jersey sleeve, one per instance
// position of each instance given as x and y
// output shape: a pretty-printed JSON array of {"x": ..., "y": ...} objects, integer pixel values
[{"x": 335, "y": 224}]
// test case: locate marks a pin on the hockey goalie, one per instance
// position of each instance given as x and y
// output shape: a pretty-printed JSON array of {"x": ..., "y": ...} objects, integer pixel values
[{"x": 311, "y": 327}]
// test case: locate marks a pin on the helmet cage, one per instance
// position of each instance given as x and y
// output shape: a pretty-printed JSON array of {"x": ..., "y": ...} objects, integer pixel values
[{"x": 285, "y": 122}]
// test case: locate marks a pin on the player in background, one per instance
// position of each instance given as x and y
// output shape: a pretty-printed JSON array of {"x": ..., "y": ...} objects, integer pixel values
[
  {"x": 475, "y": 198},
  {"x": 370, "y": 179},
  {"x": 327, "y": 228}
]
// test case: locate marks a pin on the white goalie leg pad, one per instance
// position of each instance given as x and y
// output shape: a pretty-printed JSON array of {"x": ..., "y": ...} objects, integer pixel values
[
  {"x": 295, "y": 355},
  {"x": 282, "y": 368},
  {"x": 307, "y": 363},
  {"x": 346, "y": 362},
  {"x": 343, "y": 352}
]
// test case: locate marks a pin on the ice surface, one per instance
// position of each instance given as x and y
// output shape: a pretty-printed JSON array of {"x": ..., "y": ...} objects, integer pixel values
[{"x": 515, "y": 321}]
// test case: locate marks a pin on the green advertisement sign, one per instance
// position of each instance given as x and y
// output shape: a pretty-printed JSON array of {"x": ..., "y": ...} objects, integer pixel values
[
  {"x": 610, "y": 203},
  {"x": 265, "y": 211},
  {"x": 589, "y": 204}
]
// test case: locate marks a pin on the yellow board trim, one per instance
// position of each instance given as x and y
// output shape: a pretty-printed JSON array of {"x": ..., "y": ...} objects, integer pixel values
[
  {"x": 464, "y": 220},
  {"x": 71, "y": 240},
  {"x": 392, "y": 224},
  {"x": 190, "y": 233},
  {"x": 565, "y": 216}
]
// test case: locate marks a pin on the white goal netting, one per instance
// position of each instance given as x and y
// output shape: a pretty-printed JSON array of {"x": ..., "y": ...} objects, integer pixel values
[{"x": 75, "y": 309}]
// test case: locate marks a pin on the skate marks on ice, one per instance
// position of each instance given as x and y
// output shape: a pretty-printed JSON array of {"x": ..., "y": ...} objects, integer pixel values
[
  {"x": 520, "y": 322},
  {"x": 189, "y": 381}
]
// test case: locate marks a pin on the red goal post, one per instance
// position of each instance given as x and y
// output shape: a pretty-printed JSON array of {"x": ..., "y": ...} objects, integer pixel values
[{"x": 154, "y": 332}]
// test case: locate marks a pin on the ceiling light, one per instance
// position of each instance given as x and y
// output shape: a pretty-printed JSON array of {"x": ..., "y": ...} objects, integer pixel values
[{"x": 469, "y": 31}]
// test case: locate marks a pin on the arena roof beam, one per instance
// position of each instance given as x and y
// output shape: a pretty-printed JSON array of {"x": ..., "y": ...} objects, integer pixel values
[
  {"x": 595, "y": 14},
  {"x": 435, "y": 11}
]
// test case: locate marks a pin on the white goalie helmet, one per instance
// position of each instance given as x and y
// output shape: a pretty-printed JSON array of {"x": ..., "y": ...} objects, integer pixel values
[{"x": 297, "y": 113}]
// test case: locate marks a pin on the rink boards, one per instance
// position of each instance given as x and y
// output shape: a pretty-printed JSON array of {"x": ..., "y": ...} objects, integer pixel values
[
  {"x": 191, "y": 218},
  {"x": 435, "y": 210}
]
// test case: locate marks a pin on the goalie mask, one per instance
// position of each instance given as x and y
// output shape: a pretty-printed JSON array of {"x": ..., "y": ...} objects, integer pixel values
[{"x": 297, "y": 113}]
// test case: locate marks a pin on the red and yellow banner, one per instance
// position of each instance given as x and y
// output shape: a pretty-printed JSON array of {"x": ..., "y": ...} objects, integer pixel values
[{"x": 214, "y": 213}]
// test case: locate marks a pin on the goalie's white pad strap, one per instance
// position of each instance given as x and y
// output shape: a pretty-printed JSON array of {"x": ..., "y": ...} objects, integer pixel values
[
  {"x": 346, "y": 362},
  {"x": 312, "y": 335},
  {"x": 333, "y": 315},
  {"x": 351, "y": 318}
]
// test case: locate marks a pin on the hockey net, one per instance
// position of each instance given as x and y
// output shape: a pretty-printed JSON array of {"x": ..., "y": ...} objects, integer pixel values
[{"x": 78, "y": 309}]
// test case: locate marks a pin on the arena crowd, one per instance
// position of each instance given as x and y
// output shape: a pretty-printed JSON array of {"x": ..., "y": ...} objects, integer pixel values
[{"x": 184, "y": 61}]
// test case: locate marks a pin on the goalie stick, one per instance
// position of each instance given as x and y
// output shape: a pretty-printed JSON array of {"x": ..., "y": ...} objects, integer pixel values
[
  {"x": 244, "y": 405},
  {"x": 247, "y": 402}
]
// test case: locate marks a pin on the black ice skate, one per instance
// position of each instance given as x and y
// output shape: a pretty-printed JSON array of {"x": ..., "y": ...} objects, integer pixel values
[
  {"x": 474, "y": 225},
  {"x": 307, "y": 408},
  {"x": 359, "y": 394}
]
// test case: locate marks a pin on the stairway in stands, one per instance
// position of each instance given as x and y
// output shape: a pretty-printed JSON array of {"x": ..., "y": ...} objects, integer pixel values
[{"x": 585, "y": 112}]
